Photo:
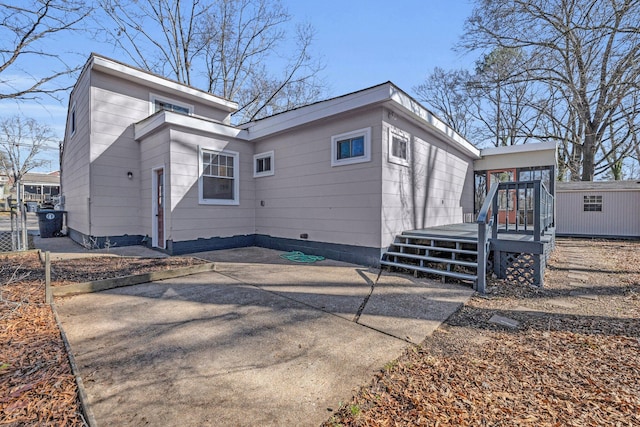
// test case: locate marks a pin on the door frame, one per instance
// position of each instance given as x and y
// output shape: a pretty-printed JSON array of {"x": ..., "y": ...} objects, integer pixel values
[
  {"x": 510, "y": 211},
  {"x": 154, "y": 207}
]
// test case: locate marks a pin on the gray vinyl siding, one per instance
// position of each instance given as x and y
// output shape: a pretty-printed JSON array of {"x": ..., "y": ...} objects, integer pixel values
[
  {"x": 154, "y": 154},
  {"x": 306, "y": 195},
  {"x": 120, "y": 205},
  {"x": 115, "y": 199},
  {"x": 191, "y": 220},
  {"x": 619, "y": 216},
  {"x": 436, "y": 188},
  {"x": 75, "y": 177}
]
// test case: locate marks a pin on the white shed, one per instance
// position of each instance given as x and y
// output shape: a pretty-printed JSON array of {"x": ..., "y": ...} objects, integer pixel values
[{"x": 598, "y": 209}]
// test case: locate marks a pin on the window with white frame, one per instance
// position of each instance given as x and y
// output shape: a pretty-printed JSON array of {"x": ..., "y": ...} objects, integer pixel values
[
  {"x": 72, "y": 119},
  {"x": 218, "y": 183},
  {"x": 592, "y": 204},
  {"x": 160, "y": 103},
  {"x": 351, "y": 147},
  {"x": 263, "y": 164},
  {"x": 398, "y": 147}
]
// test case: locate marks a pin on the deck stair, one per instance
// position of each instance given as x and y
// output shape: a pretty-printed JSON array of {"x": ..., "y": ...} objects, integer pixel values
[{"x": 444, "y": 256}]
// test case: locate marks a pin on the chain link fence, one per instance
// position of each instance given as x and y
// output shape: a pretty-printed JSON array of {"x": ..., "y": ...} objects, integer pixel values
[{"x": 14, "y": 235}]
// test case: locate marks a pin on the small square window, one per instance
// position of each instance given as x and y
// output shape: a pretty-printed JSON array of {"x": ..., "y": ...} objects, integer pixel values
[
  {"x": 263, "y": 164},
  {"x": 398, "y": 147},
  {"x": 351, "y": 147},
  {"x": 592, "y": 203}
]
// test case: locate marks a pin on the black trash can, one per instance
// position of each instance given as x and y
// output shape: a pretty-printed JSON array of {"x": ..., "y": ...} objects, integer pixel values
[{"x": 50, "y": 222}]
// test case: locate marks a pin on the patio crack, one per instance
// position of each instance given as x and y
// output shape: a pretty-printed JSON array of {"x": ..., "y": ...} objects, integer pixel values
[{"x": 372, "y": 285}]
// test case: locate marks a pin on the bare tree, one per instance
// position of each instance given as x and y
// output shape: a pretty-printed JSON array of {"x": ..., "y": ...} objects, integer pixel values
[
  {"x": 221, "y": 46},
  {"x": 162, "y": 36},
  {"x": 493, "y": 106},
  {"x": 446, "y": 93},
  {"x": 21, "y": 141},
  {"x": 585, "y": 51},
  {"x": 24, "y": 26},
  {"x": 504, "y": 102}
]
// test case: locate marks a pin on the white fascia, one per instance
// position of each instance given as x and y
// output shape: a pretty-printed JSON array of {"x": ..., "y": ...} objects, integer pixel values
[
  {"x": 522, "y": 148},
  {"x": 320, "y": 110},
  {"x": 424, "y": 116},
  {"x": 153, "y": 123},
  {"x": 138, "y": 76}
]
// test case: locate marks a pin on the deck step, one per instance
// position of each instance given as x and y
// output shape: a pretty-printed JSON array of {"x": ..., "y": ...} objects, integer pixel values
[
  {"x": 453, "y": 274},
  {"x": 436, "y": 248},
  {"x": 433, "y": 259},
  {"x": 438, "y": 238}
]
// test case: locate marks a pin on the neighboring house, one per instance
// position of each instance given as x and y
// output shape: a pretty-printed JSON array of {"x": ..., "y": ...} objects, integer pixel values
[
  {"x": 598, "y": 209},
  {"x": 148, "y": 160},
  {"x": 36, "y": 187}
]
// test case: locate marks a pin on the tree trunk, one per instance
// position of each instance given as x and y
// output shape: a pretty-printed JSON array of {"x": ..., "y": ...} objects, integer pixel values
[{"x": 588, "y": 154}]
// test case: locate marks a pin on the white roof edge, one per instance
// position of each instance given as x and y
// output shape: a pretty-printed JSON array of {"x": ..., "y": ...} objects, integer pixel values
[
  {"x": 152, "y": 123},
  {"x": 597, "y": 186},
  {"x": 316, "y": 111},
  {"x": 110, "y": 66},
  {"x": 425, "y": 116},
  {"x": 386, "y": 92},
  {"x": 523, "y": 148}
]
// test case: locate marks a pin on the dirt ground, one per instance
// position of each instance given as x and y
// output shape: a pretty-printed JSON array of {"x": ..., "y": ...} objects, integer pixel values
[{"x": 570, "y": 357}]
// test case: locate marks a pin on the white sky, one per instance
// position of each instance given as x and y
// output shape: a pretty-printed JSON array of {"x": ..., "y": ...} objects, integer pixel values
[{"x": 362, "y": 43}]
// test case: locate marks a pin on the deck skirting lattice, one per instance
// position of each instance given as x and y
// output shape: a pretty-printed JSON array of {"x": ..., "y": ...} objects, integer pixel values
[{"x": 524, "y": 268}]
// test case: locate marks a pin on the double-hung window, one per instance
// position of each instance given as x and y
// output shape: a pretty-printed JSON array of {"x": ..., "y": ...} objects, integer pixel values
[
  {"x": 218, "y": 183},
  {"x": 351, "y": 147}
]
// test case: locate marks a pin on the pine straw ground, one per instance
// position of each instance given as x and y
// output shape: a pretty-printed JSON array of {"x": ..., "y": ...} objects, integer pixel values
[{"x": 574, "y": 360}]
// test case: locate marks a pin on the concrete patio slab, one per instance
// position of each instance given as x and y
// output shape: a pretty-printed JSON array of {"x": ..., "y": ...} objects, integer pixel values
[
  {"x": 65, "y": 248},
  {"x": 260, "y": 342}
]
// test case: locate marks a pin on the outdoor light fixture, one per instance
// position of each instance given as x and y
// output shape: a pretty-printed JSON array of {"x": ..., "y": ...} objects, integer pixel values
[{"x": 130, "y": 175}]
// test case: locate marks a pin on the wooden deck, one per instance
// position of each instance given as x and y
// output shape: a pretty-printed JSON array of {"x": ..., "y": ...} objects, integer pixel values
[
  {"x": 469, "y": 231},
  {"x": 513, "y": 253}
]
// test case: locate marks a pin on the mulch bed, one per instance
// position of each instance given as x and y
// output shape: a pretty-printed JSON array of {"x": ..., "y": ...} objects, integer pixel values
[{"x": 37, "y": 386}]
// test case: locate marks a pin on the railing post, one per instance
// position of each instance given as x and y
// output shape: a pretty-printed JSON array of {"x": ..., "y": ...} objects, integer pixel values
[
  {"x": 494, "y": 214},
  {"x": 537, "y": 212},
  {"x": 482, "y": 258}
]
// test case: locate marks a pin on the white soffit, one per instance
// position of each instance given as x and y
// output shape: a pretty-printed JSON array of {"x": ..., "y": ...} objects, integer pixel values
[
  {"x": 153, "y": 123},
  {"x": 112, "y": 67},
  {"x": 320, "y": 110}
]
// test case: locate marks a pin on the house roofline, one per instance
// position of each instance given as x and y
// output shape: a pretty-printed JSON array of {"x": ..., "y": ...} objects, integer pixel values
[
  {"x": 521, "y": 148},
  {"x": 597, "y": 186},
  {"x": 385, "y": 93},
  {"x": 146, "y": 78}
]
